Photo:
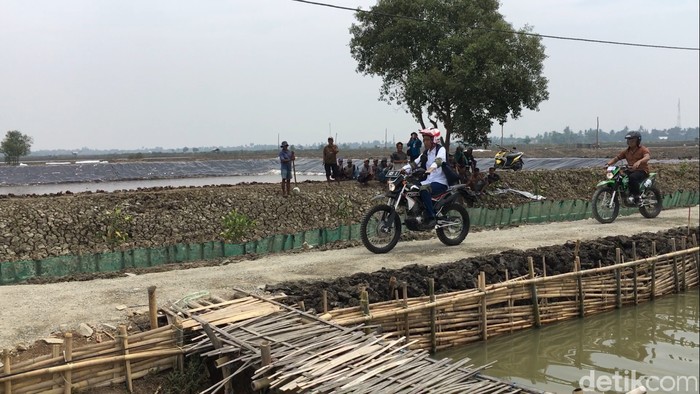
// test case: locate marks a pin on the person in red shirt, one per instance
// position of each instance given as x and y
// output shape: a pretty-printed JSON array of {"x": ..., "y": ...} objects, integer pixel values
[{"x": 637, "y": 156}]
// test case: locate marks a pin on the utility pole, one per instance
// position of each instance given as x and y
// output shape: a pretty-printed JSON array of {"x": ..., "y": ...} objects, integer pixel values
[
  {"x": 597, "y": 128},
  {"x": 501, "y": 134}
]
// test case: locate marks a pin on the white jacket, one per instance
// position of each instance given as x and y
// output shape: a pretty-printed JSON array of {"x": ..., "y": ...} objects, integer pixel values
[{"x": 436, "y": 175}]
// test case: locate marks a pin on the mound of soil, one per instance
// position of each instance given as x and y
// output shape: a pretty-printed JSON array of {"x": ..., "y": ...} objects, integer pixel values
[{"x": 463, "y": 274}]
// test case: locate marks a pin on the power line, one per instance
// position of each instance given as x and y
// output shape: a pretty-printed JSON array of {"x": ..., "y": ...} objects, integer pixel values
[{"x": 632, "y": 44}]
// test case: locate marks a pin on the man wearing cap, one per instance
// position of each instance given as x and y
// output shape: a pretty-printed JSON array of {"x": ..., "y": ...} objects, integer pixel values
[
  {"x": 349, "y": 170},
  {"x": 330, "y": 161},
  {"x": 286, "y": 159}
]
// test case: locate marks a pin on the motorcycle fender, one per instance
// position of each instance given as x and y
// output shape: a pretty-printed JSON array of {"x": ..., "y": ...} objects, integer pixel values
[
  {"x": 607, "y": 182},
  {"x": 378, "y": 197},
  {"x": 411, "y": 202}
]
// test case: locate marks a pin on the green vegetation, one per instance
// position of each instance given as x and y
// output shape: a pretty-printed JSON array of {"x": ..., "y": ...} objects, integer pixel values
[
  {"x": 236, "y": 226},
  {"x": 14, "y": 146},
  {"x": 192, "y": 379},
  {"x": 345, "y": 210},
  {"x": 117, "y": 226},
  {"x": 456, "y": 62}
]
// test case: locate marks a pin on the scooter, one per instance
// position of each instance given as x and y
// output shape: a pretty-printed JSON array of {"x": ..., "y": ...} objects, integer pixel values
[{"x": 508, "y": 159}]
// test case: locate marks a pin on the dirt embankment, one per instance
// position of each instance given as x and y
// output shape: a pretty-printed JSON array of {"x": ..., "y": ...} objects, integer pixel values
[{"x": 36, "y": 227}]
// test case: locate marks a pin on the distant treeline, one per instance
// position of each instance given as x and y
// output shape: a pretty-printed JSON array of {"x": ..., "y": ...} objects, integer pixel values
[
  {"x": 565, "y": 137},
  {"x": 568, "y": 136}
]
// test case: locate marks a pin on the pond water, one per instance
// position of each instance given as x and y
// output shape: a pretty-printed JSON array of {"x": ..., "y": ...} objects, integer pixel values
[{"x": 656, "y": 344}]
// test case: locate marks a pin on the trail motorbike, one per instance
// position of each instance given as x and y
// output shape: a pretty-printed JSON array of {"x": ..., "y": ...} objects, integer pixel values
[
  {"x": 614, "y": 191},
  {"x": 508, "y": 159},
  {"x": 381, "y": 226}
]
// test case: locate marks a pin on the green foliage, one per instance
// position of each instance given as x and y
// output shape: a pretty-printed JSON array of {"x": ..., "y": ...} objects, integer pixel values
[
  {"x": 117, "y": 226},
  {"x": 236, "y": 226},
  {"x": 457, "y": 62},
  {"x": 14, "y": 146},
  {"x": 192, "y": 379},
  {"x": 345, "y": 210}
]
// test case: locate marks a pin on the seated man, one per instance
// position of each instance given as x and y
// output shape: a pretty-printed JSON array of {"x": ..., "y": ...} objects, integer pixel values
[
  {"x": 492, "y": 177},
  {"x": 341, "y": 171},
  {"x": 382, "y": 170},
  {"x": 399, "y": 158},
  {"x": 365, "y": 173},
  {"x": 476, "y": 182},
  {"x": 349, "y": 170}
]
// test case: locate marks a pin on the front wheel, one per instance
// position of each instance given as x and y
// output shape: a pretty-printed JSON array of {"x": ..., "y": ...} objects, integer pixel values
[
  {"x": 453, "y": 227},
  {"x": 604, "y": 208},
  {"x": 650, "y": 205},
  {"x": 378, "y": 231}
]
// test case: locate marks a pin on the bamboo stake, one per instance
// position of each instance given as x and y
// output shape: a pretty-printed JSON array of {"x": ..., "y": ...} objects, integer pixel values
[
  {"x": 634, "y": 273},
  {"x": 405, "y": 316},
  {"x": 653, "y": 271},
  {"x": 676, "y": 282},
  {"x": 152, "y": 307},
  {"x": 180, "y": 342},
  {"x": 7, "y": 369},
  {"x": 124, "y": 337},
  {"x": 618, "y": 288},
  {"x": 68, "y": 354},
  {"x": 482, "y": 307},
  {"x": 431, "y": 293},
  {"x": 325, "y": 300},
  {"x": 579, "y": 285},
  {"x": 533, "y": 290},
  {"x": 685, "y": 283}
]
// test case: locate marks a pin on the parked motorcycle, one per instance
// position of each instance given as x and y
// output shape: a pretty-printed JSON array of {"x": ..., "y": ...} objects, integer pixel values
[
  {"x": 614, "y": 191},
  {"x": 380, "y": 229},
  {"x": 508, "y": 159}
]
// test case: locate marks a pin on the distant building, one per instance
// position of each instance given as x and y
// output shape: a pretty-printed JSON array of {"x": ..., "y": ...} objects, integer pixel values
[{"x": 663, "y": 137}]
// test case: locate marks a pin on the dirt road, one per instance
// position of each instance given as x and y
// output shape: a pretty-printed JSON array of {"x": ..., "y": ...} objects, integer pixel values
[{"x": 31, "y": 312}]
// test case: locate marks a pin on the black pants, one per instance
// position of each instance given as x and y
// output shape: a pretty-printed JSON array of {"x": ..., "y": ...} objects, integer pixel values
[
  {"x": 331, "y": 170},
  {"x": 636, "y": 178}
]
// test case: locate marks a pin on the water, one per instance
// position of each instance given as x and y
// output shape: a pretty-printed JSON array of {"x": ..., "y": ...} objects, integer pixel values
[
  {"x": 111, "y": 186},
  {"x": 656, "y": 344}
]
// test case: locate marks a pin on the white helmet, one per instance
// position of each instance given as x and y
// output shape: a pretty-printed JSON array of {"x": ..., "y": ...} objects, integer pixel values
[{"x": 432, "y": 132}]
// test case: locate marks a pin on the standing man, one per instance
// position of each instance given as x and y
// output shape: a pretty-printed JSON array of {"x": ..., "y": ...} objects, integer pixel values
[
  {"x": 330, "y": 162},
  {"x": 286, "y": 159},
  {"x": 414, "y": 146},
  {"x": 399, "y": 158},
  {"x": 637, "y": 156}
]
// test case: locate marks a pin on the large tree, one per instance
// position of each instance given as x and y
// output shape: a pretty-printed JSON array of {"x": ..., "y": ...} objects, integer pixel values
[
  {"x": 14, "y": 146},
  {"x": 457, "y": 62}
]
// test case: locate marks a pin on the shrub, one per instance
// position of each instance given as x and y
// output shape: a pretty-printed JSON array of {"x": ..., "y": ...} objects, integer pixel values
[
  {"x": 236, "y": 226},
  {"x": 118, "y": 224}
]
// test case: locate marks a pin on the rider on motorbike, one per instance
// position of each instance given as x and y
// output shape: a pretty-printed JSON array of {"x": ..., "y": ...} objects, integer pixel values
[
  {"x": 431, "y": 161},
  {"x": 637, "y": 156}
]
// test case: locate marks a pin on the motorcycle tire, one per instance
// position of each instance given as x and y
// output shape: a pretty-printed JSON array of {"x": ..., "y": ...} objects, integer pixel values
[
  {"x": 453, "y": 234},
  {"x": 651, "y": 203},
  {"x": 376, "y": 233},
  {"x": 600, "y": 205},
  {"x": 518, "y": 166}
]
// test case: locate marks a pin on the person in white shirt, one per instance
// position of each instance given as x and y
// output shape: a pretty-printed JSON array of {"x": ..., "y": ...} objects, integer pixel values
[{"x": 431, "y": 160}]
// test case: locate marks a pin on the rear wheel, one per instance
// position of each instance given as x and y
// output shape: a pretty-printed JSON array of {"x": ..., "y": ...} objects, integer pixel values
[
  {"x": 380, "y": 234},
  {"x": 454, "y": 226},
  {"x": 650, "y": 203},
  {"x": 517, "y": 166},
  {"x": 603, "y": 207}
]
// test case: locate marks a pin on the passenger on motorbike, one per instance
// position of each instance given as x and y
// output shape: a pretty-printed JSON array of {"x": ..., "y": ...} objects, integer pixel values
[
  {"x": 637, "y": 156},
  {"x": 431, "y": 161}
]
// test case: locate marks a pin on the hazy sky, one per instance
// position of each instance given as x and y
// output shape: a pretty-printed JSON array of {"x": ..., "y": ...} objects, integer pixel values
[{"x": 129, "y": 74}]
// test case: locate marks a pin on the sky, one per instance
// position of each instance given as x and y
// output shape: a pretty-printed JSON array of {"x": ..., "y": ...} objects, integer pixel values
[{"x": 130, "y": 74}]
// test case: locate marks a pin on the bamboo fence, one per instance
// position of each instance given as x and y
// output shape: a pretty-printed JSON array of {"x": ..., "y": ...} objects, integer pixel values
[
  {"x": 291, "y": 350},
  {"x": 437, "y": 322},
  {"x": 126, "y": 358}
]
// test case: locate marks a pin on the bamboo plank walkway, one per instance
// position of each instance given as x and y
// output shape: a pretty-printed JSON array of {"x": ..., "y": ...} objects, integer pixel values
[{"x": 293, "y": 351}]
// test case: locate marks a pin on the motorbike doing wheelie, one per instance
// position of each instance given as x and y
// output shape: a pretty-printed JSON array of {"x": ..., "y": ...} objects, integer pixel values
[
  {"x": 508, "y": 159},
  {"x": 380, "y": 229},
  {"x": 614, "y": 191}
]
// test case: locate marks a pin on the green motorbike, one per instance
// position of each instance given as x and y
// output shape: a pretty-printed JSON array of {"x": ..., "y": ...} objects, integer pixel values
[{"x": 614, "y": 191}]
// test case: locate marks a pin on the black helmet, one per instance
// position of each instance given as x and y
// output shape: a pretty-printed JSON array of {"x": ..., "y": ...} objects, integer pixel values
[{"x": 634, "y": 134}]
